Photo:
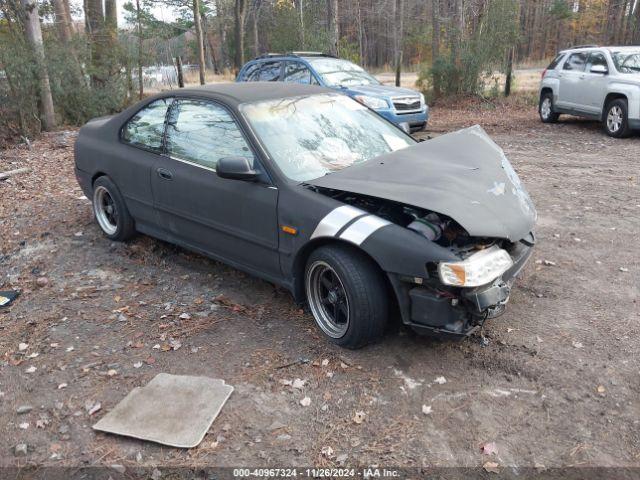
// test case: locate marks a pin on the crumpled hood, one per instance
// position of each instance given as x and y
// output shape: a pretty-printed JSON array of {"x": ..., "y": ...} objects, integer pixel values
[
  {"x": 463, "y": 175},
  {"x": 382, "y": 90}
]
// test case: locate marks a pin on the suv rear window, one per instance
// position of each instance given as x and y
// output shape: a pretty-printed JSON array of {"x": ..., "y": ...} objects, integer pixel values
[{"x": 555, "y": 62}]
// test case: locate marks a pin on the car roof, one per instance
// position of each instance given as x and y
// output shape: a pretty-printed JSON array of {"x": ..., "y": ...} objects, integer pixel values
[
  {"x": 247, "y": 92},
  {"x": 599, "y": 47}
]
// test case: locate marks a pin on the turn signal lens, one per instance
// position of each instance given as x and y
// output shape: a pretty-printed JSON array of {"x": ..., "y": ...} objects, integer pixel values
[{"x": 479, "y": 269}]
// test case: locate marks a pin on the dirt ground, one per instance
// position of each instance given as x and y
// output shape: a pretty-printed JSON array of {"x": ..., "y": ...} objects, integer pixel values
[{"x": 557, "y": 384}]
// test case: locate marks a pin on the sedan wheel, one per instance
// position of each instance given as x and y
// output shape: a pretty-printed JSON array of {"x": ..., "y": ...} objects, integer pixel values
[
  {"x": 347, "y": 295},
  {"x": 328, "y": 299},
  {"x": 110, "y": 210},
  {"x": 105, "y": 210}
]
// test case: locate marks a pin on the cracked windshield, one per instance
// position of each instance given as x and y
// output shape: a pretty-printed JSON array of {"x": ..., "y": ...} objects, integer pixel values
[{"x": 309, "y": 137}]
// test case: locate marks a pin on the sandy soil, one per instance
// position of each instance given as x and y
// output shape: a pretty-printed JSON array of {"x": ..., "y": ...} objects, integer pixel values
[{"x": 557, "y": 384}]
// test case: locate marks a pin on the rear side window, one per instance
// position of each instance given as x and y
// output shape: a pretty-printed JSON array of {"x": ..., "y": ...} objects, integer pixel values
[
  {"x": 146, "y": 128},
  {"x": 250, "y": 74},
  {"x": 576, "y": 62},
  {"x": 270, "y": 72},
  {"x": 555, "y": 62},
  {"x": 203, "y": 132}
]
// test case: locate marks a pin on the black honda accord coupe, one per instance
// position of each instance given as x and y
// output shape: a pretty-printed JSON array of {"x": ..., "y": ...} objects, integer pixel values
[{"x": 311, "y": 190}]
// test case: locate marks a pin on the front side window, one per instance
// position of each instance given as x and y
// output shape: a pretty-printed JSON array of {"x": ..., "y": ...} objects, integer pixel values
[
  {"x": 576, "y": 62},
  {"x": 312, "y": 136},
  {"x": 341, "y": 73},
  {"x": 627, "y": 61},
  {"x": 146, "y": 128},
  {"x": 596, "y": 58},
  {"x": 270, "y": 72},
  {"x": 296, "y": 72},
  {"x": 203, "y": 132}
]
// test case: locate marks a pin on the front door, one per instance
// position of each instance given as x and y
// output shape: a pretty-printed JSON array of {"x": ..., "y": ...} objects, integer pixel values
[
  {"x": 571, "y": 77},
  {"x": 233, "y": 220},
  {"x": 593, "y": 88}
]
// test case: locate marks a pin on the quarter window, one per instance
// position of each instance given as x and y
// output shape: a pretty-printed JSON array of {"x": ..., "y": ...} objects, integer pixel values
[
  {"x": 203, "y": 132},
  {"x": 576, "y": 62},
  {"x": 296, "y": 72},
  {"x": 146, "y": 128}
]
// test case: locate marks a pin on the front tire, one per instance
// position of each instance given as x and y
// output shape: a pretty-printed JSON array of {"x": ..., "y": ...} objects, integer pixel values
[
  {"x": 616, "y": 119},
  {"x": 347, "y": 295},
  {"x": 545, "y": 108},
  {"x": 110, "y": 210}
]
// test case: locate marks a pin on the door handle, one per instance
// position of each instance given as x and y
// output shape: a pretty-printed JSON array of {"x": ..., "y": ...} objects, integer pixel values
[{"x": 164, "y": 174}]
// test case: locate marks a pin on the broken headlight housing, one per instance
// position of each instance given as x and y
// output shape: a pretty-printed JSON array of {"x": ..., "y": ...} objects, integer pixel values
[
  {"x": 476, "y": 270},
  {"x": 372, "y": 102}
]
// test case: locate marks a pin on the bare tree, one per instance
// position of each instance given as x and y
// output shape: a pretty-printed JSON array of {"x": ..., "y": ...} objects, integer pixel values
[
  {"x": 200, "y": 39},
  {"x": 34, "y": 37},
  {"x": 240, "y": 12},
  {"x": 334, "y": 26},
  {"x": 139, "y": 22},
  {"x": 398, "y": 7}
]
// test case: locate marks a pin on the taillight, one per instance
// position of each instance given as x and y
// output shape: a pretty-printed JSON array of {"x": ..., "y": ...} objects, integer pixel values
[{"x": 544, "y": 72}]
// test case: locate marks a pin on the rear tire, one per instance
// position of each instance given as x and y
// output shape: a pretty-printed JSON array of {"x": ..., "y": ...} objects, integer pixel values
[
  {"x": 616, "y": 118},
  {"x": 111, "y": 212},
  {"x": 347, "y": 295},
  {"x": 545, "y": 108}
]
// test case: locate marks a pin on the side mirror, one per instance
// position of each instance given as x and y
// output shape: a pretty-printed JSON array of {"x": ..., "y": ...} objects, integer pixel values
[
  {"x": 236, "y": 168},
  {"x": 599, "y": 69}
]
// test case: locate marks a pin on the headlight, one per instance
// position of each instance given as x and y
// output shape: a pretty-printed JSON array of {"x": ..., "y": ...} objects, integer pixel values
[
  {"x": 372, "y": 102},
  {"x": 479, "y": 269},
  {"x": 422, "y": 101}
]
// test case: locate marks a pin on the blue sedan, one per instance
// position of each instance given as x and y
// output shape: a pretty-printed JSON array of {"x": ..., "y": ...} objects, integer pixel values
[{"x": 402, "y": 106}]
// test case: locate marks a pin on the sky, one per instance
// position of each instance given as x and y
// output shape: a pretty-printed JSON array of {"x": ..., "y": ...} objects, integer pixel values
[{"x": 160, "y": 12}]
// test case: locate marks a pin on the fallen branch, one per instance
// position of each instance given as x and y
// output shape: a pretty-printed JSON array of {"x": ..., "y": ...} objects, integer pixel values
[{"x": 11, "y": 173}]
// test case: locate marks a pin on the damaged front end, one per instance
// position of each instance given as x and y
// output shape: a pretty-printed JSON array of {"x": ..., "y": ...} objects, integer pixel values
[
  {"x": 460, "y": 193},
  {"x": 453, "y": 297}
]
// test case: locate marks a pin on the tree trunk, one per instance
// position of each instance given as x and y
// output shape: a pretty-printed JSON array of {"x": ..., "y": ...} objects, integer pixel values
[
  {"x": 399, "y": 32},
  {"x": 334, "y": 28},
  {"x": 63, "y": 20},
  {"x": 435, "y": 41},
  {"x": 139, "y": 20},
  {"x": 507, "y": 83},
  {"x": 95, "y": 22},
  {"x": 179, "y": 70},
  {"x": 239, "y": 14},
  {"x": 34, "y": 37},
  {"x": 636, "y": 26},
  {"x": 199, "y": 39},
  {"x": 254, "y": 25},
  {"x": 360, "y": 35},
  {"x": 301, "y": 15}
]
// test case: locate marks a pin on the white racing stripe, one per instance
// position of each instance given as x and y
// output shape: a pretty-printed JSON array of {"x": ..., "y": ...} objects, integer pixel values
[
  {"x": 360, "y": 230},
  {"x": 335, "y": 220}
]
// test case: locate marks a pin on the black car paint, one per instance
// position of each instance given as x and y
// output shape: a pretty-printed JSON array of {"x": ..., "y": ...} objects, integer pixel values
[{"x": 239, "y": 222}]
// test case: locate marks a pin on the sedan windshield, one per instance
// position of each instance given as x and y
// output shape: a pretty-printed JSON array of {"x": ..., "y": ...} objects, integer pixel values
[
  {"x": 627, "y": 61},
  {"x": 341, "y": 73},
  {"x": 311, "y": 136}
]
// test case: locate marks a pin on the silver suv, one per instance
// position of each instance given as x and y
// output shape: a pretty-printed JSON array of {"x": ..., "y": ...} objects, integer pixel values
[{"x": 602, "y": 83}]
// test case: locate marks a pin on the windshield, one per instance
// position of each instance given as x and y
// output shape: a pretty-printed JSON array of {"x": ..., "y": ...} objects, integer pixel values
[
  {"x": 341, "y": 73},
  {"x": 311, "y": 136},
  {"x": 627, "y": 61}
]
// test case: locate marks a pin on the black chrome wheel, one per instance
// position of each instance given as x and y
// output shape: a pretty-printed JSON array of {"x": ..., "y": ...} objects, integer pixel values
[{"x": 328, "y": 299}]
